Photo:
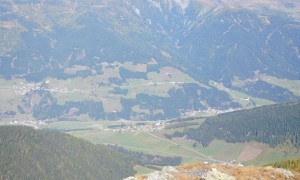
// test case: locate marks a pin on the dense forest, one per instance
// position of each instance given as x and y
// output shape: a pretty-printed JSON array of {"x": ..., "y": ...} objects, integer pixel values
[
  {"x": 273, "y": 125},
  {"x": 293, "y": 164},
  {"x": 26, "y": 153},
  {"x": 148, "y": 159}
]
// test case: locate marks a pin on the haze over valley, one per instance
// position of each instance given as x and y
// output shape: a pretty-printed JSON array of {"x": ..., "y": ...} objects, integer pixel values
[{"x": 166, "y": 81}]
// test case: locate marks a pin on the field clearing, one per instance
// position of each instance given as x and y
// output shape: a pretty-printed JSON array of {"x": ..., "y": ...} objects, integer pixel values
[
  {"x": 272, "y": 156},
  {"x": 72, "y": 125},
  {"x": 142, "y": 170},
  {"x": 139, "y": 141},
  {"x": 156, "y": 143},
  {"x": 242, "y": 98},
  {"x": 87, "y": 88},
  {"x": 137, "y": 86},
  {"x": 150, "y": 143},
  {"x": 95, "y": 125},
  {"x": 197, "y": 122},
  {"x": 8, "y": 100},
  {"x": 170, "y": 74},
  {"x": 249, "y": 153},
  {"x": 292, "y": 85}
]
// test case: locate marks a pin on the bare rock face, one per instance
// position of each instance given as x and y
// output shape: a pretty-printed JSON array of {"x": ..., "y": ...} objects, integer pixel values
[{"x": 217, "y": 172}]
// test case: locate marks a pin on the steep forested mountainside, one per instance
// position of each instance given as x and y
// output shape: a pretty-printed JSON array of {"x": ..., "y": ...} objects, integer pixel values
[
  {"x": 274, "y": 125},
  {"x": 27, "y": 153},
  {"x": 151, "y": 50}
]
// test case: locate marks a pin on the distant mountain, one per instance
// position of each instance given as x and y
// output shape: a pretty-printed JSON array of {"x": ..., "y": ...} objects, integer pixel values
[
  {"x": 274, "y": 125},
  {"x": 214, "y": 41},
  {"x": 40, "y": 154},
  {"x": 183, "y": 47}
]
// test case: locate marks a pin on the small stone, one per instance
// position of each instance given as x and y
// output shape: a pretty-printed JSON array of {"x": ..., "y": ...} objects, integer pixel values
[
  {"x": 288, "y": 174},
  {"x": 217, "y": 175}
]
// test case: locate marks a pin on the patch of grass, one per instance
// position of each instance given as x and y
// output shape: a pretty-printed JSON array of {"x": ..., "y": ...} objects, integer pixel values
[
  {"x": 142, "y": 170},
  {"x": 137, "y": 141},
  {"x": 197, "y": 123},
  {"x": 242, "y": 98},
  {"x": 280, "y": 153},
  {"x": 10, "y": 100},
  {"x": 292, "y": 85},
  {"x": 74, "y": 125},
  {"x": 222, "y": 149},
  {"x": 137, "y": 86},
  {"x": 156, "y": 143}
]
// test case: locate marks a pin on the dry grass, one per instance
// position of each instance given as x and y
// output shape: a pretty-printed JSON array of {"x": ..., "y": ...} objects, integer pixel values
[{"x": 240, "y": 173}]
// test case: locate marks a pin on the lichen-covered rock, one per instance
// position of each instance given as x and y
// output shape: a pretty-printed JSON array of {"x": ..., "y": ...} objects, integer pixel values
[
  {"x": 288, "y": 174},
  {"x": 163, "y": 175},
  {"x": 214, "y": 174},
  {"x": 131, "y": 178}
]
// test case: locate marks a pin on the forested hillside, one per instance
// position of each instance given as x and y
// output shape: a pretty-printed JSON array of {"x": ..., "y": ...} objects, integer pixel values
[
  {"x": 148, "y": 160},
  {"x": 26, "y": 153},
  {"x": 273, "y": 125}
]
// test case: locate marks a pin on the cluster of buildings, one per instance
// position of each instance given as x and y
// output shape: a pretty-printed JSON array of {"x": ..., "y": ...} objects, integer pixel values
[
  {"x": 208, "y": 112},
  {"x": 25, "y": 122},
  {"x": 23, "y": 88},
  {"x": 144, "y": 127}
]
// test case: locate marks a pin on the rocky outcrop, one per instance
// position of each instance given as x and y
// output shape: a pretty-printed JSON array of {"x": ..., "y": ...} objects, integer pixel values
[{"x": 206, "y": 171}]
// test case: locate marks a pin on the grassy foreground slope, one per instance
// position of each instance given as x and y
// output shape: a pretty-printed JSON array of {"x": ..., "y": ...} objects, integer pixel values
[
  {"x": 26, "y": 153},
  {"x": 292, "y": 164}
]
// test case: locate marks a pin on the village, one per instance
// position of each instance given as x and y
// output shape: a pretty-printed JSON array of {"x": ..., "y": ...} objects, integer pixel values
[
  {"x": 26, "y": 122},
  {"x": 142, "y": 126},
  {"x": 24, "y": 88}
]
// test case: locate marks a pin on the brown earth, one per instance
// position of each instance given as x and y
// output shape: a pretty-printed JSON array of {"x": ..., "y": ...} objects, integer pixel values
[{"x": 249, "y": 153}]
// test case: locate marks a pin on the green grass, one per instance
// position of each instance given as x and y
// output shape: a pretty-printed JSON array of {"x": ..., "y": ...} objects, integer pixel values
[
  {"x": 10, "y": 99},
  {"x": 180, "y": 129},
  {"x": 292, "y": 85},
  {"x": 142, "y": 170},
  {"x": 156, "y": 143},
  {"x": 268, "y": 158},
  {"x": 222, "y": 150},
  {"x": 139, "y": 141},
  {"x": 87, "y": 90},
  {"x": 242, "y": 98},
  {"x": 137, "y": 86}
]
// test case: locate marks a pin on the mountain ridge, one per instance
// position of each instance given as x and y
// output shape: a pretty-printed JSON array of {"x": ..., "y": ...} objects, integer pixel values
[{"x": 115, "y": 43}]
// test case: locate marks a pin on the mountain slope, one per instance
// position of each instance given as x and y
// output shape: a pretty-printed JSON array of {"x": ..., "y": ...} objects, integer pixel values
[
  {"x": 39, "y": 154},
  {"x": 273, "y": 125},
  {"x": 132, "y": 44}
]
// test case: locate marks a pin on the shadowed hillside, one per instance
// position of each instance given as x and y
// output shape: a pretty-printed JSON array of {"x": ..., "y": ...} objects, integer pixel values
[{"x": 26, "y": 153}]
